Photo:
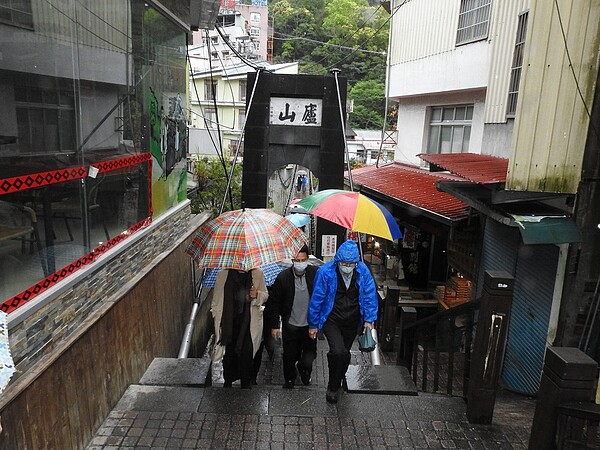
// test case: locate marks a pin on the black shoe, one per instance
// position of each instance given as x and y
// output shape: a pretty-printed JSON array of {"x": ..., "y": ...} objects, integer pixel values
[
  {"x": 227, "y": 384},
  {"x": 247, "y": 385},
  {"x": 331, "y": 396},
  {"x": 304, "y": 375},
  {"x": 288, "y": 385}
]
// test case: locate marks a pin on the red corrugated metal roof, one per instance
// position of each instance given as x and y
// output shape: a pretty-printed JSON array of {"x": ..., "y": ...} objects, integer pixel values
[
  {"x": 414, "y": 186},
  {"x": 481, "y": 169}
]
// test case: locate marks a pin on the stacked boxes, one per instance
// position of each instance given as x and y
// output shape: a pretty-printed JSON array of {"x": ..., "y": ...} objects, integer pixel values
[{"x": 457, "y": 291}]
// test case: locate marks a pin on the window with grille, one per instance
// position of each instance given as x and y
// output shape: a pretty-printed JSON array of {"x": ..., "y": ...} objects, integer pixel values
[
  {"x": 16, "y": 12},
  {"x": 243, "y": 84},
  {"x": 210, "y": 89},
  {"x": 473, "y": 20},
  {"x": 450, "y": 129},
  {"x": 517, "y": 65},
  {"x": 210, "y": 117},
  {"x": 46, "y": 119}
]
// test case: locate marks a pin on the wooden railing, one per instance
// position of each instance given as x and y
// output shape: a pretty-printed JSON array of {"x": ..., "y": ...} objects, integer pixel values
[
  {"x": 578, "y": 426},
  {"x": 437, "y": 349}
]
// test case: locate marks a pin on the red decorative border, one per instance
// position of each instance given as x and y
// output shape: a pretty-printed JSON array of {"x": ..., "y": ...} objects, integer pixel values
[
  {"x": 115, "y": 164},
  {"x": 20, "y": 299},
  {"x": 30, "y": 181},
  {"x": 33, "y": 180}
]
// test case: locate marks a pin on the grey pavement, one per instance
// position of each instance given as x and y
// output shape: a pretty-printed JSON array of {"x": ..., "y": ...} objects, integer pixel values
[{"x": 269, "y": 417}]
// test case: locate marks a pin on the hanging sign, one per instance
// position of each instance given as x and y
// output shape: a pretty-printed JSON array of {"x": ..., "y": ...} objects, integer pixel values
[
  {"x": 328, "y": 244},
  {"x": 302, "y": 112}
]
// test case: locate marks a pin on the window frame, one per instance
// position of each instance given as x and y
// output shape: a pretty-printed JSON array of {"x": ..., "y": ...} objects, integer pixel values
[
  {"x": 452, "y": 125},
  {"x": 16, "y": 13},
  {"x": 210, "y": 117},
  {"x": 517, "y": 65},
  {"x": 469, "y": 20},
  {"x": 243, "y": 86},
  {"x": 210, "y": 90}
]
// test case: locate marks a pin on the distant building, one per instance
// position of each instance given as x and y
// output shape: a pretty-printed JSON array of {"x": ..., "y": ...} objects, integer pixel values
[
  {"x": 228, "y": 82},
  {"x": 454, "y": 71},
  {"x": 364, "y": 147},
  {"x": 220, "y": 59}
]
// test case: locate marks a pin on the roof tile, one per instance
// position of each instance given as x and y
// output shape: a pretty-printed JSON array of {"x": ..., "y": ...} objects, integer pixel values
[
  {"x": 413, "y": 185},
  {"x": 480, "y": 169}
]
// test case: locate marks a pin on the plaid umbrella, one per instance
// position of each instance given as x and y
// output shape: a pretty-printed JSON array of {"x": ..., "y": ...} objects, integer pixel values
[
  {"x": 271, "y": 270},
  {"x": 245, "y": 239}
]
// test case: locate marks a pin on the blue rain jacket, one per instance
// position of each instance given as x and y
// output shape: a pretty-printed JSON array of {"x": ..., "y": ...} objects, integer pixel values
[{"x": 325, "y": 287}]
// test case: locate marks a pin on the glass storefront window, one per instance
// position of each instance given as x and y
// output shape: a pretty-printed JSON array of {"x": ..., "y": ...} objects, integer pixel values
[{"x": 93, "y": 130}]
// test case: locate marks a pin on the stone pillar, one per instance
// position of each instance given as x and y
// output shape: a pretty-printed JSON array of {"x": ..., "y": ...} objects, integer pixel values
[
  {"x": 488, "y": 346},
  {"x": 569, "y": 376}
]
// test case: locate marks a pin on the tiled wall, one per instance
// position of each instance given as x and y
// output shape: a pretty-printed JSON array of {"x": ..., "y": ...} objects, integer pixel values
[{"x": 38, "y": 334}]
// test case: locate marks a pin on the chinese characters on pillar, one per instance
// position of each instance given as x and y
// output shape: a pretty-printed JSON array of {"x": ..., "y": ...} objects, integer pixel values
[
  {"x": 300, "y": 112},
  {"x": 328, "y": 244}
]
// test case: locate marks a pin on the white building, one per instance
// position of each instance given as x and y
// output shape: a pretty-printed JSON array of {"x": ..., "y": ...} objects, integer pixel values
[
  {"x": 229, "y": 84},
  {"x": 364, "y": 146},
  {"x": 454, "y": 71}
]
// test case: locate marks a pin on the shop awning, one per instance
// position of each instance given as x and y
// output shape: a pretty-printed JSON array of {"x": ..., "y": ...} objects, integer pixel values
[
  {"x": 413, "y": 188},
  {"x": 547, "y": 229}
]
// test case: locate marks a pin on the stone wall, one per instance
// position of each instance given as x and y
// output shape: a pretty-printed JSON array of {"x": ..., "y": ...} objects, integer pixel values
[{"x": 78, "y": 352}]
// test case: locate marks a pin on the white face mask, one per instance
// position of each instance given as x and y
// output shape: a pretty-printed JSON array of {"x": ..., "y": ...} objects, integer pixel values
[
  {"x": 346, "y": 269},
  {"x": 300, "y": 267}
]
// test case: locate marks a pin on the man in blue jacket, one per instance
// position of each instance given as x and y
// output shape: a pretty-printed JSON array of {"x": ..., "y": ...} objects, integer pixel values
[{"x": 344, "y": 298}]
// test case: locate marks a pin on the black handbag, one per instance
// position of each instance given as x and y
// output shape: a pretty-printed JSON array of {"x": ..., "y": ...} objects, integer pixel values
[{"x": 366, "y": 343}]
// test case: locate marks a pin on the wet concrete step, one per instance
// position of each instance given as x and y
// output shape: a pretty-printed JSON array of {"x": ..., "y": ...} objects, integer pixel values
[
  {"x": 379, "y": 380},
  {"x": 191, "y": 372}
]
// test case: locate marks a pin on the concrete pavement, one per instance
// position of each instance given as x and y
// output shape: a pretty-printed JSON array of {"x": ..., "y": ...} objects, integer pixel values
[{"x": 269, "y": 417}]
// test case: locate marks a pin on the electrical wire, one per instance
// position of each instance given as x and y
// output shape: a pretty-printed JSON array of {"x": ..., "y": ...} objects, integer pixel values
[
  {"x": 237, "y": 151},
  {"x": 102, "y": 20},
  {"x": 76, "y": 22},
  {"x": 218, "y": 150},
  {"x": 362, "y": 44},
  {"x": 214, "y": 100},
  {"x": 353, "y": 34},
  {"x": 297, "y": 38},
  {"x": 585, "y": 106},
  {"x": 238, "y": 54}
]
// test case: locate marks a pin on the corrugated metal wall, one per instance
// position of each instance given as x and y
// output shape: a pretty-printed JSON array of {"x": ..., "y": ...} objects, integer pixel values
[
  {"x": 99, "y": 24},
  {"x": 534, "y": 268},
  {"x": 551, "y": 122},
  {"x": 502, "y": 36},
  {"x": 422, "y": 28},
  {"x": 499, "y": 251},
  {"x": 530, "y": 315}
]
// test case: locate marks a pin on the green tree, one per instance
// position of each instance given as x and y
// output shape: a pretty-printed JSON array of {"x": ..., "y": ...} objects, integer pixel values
[
  {"x": 369, "y": 104},
  {"x": 212, "y": 182},
  {"x": 322, "y": 35}
]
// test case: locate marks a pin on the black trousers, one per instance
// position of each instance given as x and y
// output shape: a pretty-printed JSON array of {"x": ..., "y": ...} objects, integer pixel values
[
  {"x": 238, "y": 361},
  {"x": 340, "y": 337},
  {"x": 299, "y": 348}
]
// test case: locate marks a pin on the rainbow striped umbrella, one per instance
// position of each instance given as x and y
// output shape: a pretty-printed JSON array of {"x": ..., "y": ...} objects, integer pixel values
[
  {"x": 245, "y": 239},
  {"x": 353, "y": 211}
]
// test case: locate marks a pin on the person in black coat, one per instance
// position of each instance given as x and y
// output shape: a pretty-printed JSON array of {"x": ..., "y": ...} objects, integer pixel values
[{"x": 288, "y": 300}]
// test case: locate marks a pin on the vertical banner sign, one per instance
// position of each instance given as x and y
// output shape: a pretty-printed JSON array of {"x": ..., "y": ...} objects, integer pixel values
[{"x": 328, "y": 244}]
